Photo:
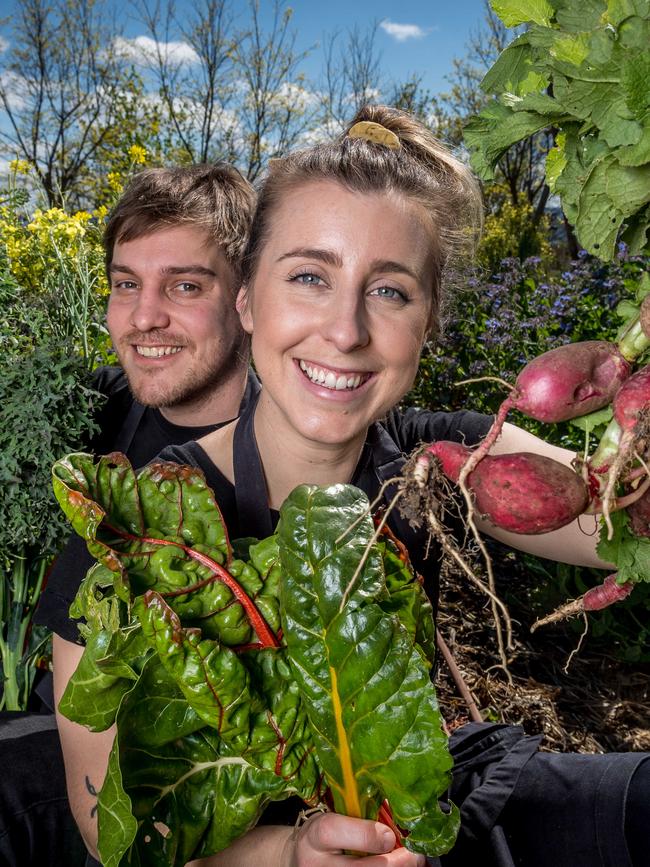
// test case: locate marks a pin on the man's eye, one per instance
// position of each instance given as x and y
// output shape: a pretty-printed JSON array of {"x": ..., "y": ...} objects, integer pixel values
[
  {"x": 186, "y": 288},
  {"x": 125, "y": 285}
]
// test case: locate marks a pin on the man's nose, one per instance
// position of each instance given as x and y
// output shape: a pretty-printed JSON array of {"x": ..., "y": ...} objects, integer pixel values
[{"x": 151, "y": 310}]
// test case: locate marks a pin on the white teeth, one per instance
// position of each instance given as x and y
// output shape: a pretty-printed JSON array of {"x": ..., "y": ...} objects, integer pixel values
[
  {"x": 157, "y": 351},
  {"x": 329, "y": 379}
]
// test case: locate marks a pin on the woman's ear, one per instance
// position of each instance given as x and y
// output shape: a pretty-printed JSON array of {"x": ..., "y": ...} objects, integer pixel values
[{"x": 243, "y": 307}]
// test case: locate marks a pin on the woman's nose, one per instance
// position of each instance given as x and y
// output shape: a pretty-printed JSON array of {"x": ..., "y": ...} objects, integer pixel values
[
  {"x": 346, "y": 324},
  {"x": 150, "y": 310}
]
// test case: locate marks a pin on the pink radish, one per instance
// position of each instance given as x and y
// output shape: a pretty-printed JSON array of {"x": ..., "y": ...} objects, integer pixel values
[
  {"x": 570, "y": 381},
  {"x": 595, "y": 599},
  {"x": 560, "y": 384},
  {"x": 522, "y": 493}
]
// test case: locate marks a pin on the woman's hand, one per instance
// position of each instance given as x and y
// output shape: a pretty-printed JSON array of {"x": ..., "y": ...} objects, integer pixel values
[{"x": 325, "y": 838}]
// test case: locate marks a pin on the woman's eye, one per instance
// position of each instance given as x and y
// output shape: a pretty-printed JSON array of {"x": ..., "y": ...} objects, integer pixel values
[
  {"x": 307, "y": 279},
  {"x": 389, "y": 292}
]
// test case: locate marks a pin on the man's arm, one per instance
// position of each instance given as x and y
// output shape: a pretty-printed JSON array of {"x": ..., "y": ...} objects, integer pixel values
[{"x": 85, "y": 753}]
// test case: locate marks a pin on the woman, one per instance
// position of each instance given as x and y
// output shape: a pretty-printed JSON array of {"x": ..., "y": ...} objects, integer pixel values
[{"x": 343, "y": 275}]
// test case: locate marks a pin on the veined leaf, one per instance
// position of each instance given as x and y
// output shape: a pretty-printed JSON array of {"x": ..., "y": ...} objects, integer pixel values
[
  {"x": 163, "y": 528},
  {"x": 595, "y": 56},
  {"x": 556, "y": 162},
  {"x": 619, "y": 10},
  {"x": 514, "y": 71},
  {"x": 598, "y": 222},
  {"x": 515, "y": 12},
  {"x": 371, "y": 704},
  {"x": 576, "y": 17},
  {"x": 572, "y": 48},
  {"x": 497, "y": 127},
  {"x": 175, "y": 790}
]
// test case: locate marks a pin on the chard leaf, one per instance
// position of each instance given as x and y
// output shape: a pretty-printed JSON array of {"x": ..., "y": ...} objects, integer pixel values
[
  {"x": 94, "y": 692},
  {"x": 174, "y": 782},
  {"x": 372, "y": 707},
  {"x": 163, "y": 529},
  {"x": 116, "y": 825}
]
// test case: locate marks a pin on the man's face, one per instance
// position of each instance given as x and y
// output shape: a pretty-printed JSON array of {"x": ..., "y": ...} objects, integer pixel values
[{"x": 172, "y": 318}]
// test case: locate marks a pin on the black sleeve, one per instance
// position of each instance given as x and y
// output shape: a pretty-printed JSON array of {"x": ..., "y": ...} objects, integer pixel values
[
  {"x": 414, "y": 426},
  {"x": 67, "y": 573}
]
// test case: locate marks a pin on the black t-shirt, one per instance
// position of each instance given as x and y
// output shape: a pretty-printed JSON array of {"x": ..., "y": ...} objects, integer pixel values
[{"x": 141, "y": 433}]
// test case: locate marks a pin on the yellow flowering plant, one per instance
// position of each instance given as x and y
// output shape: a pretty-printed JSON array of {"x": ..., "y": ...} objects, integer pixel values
[{"x": 52, "y": 296}]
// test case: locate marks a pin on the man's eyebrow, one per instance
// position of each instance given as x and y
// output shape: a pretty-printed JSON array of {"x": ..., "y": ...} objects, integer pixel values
[
  {"x": 331, "y": 258},
  {"x": 200, "y": 270}
]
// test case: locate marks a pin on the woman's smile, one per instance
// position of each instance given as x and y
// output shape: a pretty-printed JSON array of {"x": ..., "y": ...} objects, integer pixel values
[{"x": 332, "y": 378}]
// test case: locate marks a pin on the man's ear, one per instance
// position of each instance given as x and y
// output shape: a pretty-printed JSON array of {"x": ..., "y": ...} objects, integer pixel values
[{"x": 243, "y": 307}]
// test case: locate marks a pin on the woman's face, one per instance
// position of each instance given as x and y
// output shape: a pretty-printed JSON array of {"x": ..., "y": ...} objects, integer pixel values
[{"x": 339, "y": 308}]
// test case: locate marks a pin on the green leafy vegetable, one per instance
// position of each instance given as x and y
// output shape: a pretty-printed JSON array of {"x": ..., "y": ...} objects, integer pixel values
[
  {"x": 582, "y": 70},
  {"x": 370, "y": 702},
  {"x": 207, "y": 664}
]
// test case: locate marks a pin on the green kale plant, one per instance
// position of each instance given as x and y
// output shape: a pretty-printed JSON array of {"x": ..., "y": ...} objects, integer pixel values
[
  {"x": 236, "y": 675},
  {"x": 48, "y": 347}
]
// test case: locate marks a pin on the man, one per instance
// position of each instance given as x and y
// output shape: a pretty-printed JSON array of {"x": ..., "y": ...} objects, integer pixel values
[{"x": 173, "y": 244}]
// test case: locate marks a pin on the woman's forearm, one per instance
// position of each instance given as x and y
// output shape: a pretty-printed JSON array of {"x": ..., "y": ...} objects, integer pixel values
[{"x": 267, "y": 845}]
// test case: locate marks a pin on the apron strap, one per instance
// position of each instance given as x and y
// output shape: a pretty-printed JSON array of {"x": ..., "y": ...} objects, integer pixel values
[
  {"x": 129, "y": 427},
  {"x": 250, "y": 485}
]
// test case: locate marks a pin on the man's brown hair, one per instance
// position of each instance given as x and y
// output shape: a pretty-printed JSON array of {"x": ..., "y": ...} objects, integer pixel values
[{"x": 214, "y": 197}]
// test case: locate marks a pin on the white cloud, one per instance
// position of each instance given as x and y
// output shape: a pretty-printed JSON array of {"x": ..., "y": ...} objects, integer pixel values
[
  {"x": 144, "y": 50},
  {"x": 16, "y": 89},
  {"x": 298, "y": 97},
  {"x": 4, "y": 44},
  {"x": 402, "y": 32}
]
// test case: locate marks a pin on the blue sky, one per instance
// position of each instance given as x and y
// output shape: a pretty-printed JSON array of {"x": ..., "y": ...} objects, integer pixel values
[{"x": 415, "y": 36}]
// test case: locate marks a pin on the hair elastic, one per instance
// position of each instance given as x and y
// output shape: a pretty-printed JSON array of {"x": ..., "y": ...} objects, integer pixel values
[{"x": 376, "y": 133}]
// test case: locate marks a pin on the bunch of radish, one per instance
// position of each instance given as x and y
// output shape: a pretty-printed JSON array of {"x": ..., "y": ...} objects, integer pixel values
[{"x": 531, "y": 494}]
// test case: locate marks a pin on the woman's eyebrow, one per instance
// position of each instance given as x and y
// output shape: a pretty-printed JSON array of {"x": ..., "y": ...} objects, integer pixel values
[
  {"x": 331, "y": 258},
  {"x": 326, "y": 256}
]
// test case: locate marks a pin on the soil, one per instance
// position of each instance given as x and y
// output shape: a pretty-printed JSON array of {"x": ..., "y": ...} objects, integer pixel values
[{"x": 585, "y": 701}]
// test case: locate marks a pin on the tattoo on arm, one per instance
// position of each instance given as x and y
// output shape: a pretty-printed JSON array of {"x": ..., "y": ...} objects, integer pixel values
[{"x": 93, "y": 791}]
